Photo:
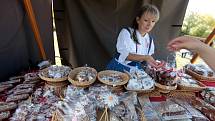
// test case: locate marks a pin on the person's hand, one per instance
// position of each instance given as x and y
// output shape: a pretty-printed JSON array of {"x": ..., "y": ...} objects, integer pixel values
[
  {"x": 151, "y": 61},
  {"x": 184, "y": 42}
]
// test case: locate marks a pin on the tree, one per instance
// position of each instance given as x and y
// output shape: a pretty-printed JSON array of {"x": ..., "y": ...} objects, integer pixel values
[{"x": 198, "y": 25}]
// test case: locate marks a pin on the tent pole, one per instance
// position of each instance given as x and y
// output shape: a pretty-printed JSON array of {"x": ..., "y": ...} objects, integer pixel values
[
  {"x": 208, "y": 41},
  {"x": 33, "y": 22}
]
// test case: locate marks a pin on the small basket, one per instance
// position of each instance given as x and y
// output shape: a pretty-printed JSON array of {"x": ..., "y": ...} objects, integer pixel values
[
  {"x": 74, "y": 72},
  {"x": 164, "y": 88},
  {"x": 124, "y": 76},
  {"x": 46, "y": 78},
  {"x": 193, "y": 89},
  {"x": 198, "y": 76},
  {"x": 140, "y": 91}
]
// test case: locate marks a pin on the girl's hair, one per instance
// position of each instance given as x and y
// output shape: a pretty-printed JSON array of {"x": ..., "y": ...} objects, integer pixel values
[{"x": 145, "y": 8}]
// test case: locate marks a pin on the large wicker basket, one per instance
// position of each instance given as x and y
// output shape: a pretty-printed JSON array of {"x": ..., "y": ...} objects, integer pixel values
[
  {"x": 193, "y": 89},
  {"x": 46, "y": 78},
  {"x": 164, "y": 88},
  {"x": 75, "y": 71},
  {"x": 124, "y": 77},
  {"x": 198, "y": 76}
]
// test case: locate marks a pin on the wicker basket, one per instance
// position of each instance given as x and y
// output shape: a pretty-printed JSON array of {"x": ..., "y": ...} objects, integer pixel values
[
  {"x": 124, "y": 76},
  {"x": 164, "y": 88},
  {"x": 46, "y": 78},
  {"x": 74, "y": 72},
  {"x": 193, "y": 89},
  {"x": 140, "y": 91},
  {"x": 198, "y": 76}
]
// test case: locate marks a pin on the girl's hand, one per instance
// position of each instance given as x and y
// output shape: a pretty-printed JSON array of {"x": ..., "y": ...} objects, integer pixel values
[{"x": 151, "y": 61}]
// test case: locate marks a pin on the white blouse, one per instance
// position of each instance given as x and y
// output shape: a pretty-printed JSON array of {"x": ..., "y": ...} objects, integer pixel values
[{"x": 125, "y": 45}]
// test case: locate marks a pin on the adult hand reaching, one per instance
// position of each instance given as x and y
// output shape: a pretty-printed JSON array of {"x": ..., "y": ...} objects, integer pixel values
[{"x": 185, "y": 42}]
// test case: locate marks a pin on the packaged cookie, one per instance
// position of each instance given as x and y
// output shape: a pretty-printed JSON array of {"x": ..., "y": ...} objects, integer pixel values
[
  {"x": 4, "y": 115},
  {"x": 12, "y": 98},
  {"x": 7, "y": 106}
]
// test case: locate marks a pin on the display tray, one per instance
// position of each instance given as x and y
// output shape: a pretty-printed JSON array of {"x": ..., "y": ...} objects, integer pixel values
[
  {"x": 198, "y": 76},
  {"x": 190, "y": 88}
]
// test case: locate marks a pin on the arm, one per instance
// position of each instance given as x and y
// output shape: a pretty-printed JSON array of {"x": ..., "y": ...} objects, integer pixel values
[
  {"x": 208, "y": 54},
  {"x": 148, "y": 58},
  {"x": 185, "y": 42}
]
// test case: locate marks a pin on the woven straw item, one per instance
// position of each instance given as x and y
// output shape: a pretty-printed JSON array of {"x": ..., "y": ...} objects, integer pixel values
[
  {"x": 124, "y": 77},
  {"x": 198, "y": 76},
  {"x": 75, "y": 71},
  {"x": 46, "y": 78},
  {"x": 190, "y": 88},
  {"x": 164, "y": 88}
]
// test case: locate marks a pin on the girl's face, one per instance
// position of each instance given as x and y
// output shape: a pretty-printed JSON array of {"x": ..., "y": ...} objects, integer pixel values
[{"x": 146, "y": 22}]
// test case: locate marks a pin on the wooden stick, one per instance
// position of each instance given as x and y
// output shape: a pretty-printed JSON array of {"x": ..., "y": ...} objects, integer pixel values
[
  {"x": 208, "y": 41},
  {"x": 107, "y": 115},
  {"x": 102, "y": 115},
  {"x": 31, "y": 16}
]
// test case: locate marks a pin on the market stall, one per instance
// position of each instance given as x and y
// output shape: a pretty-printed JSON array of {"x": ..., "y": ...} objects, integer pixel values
[{"x": 59, "y": 93}]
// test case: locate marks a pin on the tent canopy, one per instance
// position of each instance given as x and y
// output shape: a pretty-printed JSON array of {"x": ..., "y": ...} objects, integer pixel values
[{"x": 86, "y": 29}]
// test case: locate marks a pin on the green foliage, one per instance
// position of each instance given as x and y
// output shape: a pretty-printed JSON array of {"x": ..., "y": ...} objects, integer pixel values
[{"x": 198, "y": 25}]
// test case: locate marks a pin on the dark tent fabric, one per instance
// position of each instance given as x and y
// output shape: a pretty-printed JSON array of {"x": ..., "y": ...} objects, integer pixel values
[
  {"x": 87, "y": 29},
  {"x": 94, "y": 26},
  {"x": 18, "y": 48}
]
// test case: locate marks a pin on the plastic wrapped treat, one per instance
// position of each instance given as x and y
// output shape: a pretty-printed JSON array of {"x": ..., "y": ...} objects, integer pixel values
[
  {"x": 139, "y": 80},
  {"x": 85, "y": 75},
  {"x": 209, "y": 95},
  {"x": 5, "y": 87},
  {"x": 205, "y": 108},
  {"x": 149, "y": 112},
  {"x": 4, "y": 115},
  {"x": 7, "y": 106},
  {"x": 55, "y": 71},
  {"x": 127, "y": 105},
  {"x": 172, "y": 111},
  {"x": 12, "y": 98},
  {"x": 196, "y": 114},
  {"x": 31, "y": 76}
]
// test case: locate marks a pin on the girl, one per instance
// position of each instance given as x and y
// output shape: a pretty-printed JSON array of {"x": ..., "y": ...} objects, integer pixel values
[{"x": 134, "y": 45}]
